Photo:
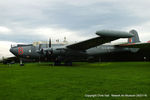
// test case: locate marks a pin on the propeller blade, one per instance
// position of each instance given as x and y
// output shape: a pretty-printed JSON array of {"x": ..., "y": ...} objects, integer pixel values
[
  {"x": 50, "y": 42},
  {"x": 42, "y": 51},
  {"x": 39, "y": 46}
]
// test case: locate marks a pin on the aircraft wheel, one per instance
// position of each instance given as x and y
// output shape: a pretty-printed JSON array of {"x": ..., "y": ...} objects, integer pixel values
[
  {"x": 21, "y": 64},
  {"x": 68, "y": 63},
  {"x": 57, "y": 63}
]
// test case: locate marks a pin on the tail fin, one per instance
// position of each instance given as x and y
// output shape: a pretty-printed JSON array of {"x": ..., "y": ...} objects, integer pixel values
[{"x": 134, "y": 39}]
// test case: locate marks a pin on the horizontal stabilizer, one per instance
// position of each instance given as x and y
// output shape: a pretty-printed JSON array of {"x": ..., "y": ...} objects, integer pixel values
[{"x": 112, "y": 33}]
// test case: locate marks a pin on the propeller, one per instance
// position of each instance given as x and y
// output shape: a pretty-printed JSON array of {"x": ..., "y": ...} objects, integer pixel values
[
  {"x": 39, "y": 46},
  {"x": 46, "y": 51},
  {"x": 49, "y": 51},
  {"x": 40, "y": 51},
  {"x": 50, "y": 43}
]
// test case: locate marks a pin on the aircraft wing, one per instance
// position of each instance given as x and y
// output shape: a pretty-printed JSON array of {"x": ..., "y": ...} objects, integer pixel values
[
  {"x": 91, "y": 43},
  {"x": 105, "y": 36},
  {"x": 136, "y": 45}
]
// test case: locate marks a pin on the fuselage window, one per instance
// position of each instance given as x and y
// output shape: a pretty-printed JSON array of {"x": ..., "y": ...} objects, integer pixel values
[{"x": 30, "y": 51}]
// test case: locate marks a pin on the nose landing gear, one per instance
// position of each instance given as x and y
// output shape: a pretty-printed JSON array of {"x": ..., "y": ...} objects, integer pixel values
[{"x": 21, "y": 63}]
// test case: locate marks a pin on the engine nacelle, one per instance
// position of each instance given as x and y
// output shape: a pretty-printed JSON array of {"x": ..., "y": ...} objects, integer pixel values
[{"x": 58, "y": 51}]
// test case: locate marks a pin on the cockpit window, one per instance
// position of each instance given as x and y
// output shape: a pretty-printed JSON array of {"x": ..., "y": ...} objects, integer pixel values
[{"x": 20, "y": 45}]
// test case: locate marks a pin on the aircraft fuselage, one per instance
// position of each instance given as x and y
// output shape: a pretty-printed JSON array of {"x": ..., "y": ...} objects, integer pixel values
[{"x": 30, "y": 52}]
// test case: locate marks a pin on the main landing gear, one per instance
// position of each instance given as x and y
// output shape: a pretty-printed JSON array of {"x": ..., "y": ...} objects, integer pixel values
[
  {"x": 58, "y": 62},
  {"x": 68, "y": 63}
]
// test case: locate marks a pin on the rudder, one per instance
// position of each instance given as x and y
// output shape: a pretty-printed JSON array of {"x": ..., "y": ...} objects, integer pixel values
[{"x": 134, "y": 39}]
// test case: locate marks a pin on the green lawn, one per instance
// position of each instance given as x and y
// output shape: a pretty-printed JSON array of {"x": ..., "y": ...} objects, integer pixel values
[{"x": 43, "y": 82}]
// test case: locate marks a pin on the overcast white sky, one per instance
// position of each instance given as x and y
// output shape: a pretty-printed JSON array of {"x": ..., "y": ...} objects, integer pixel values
[{"x": 35, "y": 20}]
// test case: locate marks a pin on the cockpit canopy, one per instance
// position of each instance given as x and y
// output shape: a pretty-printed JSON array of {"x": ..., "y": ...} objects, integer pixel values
[{"x": 20, "y": 45}]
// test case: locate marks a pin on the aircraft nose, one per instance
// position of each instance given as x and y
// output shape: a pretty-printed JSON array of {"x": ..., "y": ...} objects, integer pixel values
[{"x": 13, "y": 50}]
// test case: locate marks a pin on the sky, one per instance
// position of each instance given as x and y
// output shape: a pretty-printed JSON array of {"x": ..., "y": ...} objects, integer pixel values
[{"x": 25, "y": 21}]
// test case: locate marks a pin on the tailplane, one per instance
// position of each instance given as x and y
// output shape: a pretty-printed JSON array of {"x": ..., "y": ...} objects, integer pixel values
[{"x": 134, "y": 39}]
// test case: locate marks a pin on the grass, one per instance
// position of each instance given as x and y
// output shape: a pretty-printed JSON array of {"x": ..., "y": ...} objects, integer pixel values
[{"x": 43, "y": 82}]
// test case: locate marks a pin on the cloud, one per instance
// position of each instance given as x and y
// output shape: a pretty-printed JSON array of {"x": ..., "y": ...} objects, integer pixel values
[
  {"x": 138, "y": 8},
  {"x": 4, "y": 49},
  {"x": 4, "y": 30},
  {"x": 34, "y": 20},
  {"x": 29, "y": 35},
  {"x": 78, "y": 17},
  {"x": 55, "y": 33}
]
